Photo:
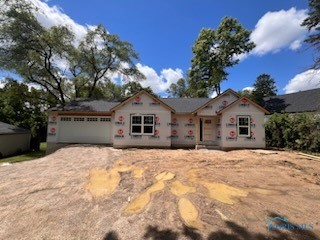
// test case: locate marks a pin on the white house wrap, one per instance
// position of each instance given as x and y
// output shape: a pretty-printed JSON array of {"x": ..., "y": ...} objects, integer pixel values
[{"x": 143, "y": 120}]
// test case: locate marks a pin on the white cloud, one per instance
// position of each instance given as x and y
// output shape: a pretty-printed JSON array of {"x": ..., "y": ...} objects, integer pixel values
[
  {"x": 2, "y": 83},
  {"x": 304, "y": 81},
  {"x": 213, "y": 94},
  {"x": 53, "y": 16},
  {"x": 250, "y": 89},
  {"x": 278, "y": 30},
  {"x": 33, "y": 85},
  {"x": 159, "y": 83}
]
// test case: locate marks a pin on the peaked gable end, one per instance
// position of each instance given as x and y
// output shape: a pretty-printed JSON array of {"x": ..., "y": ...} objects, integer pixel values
[
  {"x": 216, "y": 104},
  {"x": 245, "y": 104},
  {"x": 142, "y": 99}
]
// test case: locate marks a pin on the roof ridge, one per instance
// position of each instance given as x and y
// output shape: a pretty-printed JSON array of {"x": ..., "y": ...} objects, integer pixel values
[{"x": 318, "y": 89}]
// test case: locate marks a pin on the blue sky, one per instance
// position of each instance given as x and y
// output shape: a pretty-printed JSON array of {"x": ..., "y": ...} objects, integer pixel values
[{"x": 163, "y": 32}]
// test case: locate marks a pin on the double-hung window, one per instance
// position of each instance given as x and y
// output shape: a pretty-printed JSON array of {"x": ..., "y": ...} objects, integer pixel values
[
  {"x": 142, "y": 124},
  {"x": 243, "y": 126}
]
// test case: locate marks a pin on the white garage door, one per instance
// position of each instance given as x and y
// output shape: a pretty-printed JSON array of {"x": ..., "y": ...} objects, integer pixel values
[{"x": 84, "y": 129}]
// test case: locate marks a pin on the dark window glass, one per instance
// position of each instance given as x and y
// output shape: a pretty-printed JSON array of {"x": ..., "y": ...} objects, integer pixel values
[
  {"x": 148, "y": 120},
  {"x": 136, "y": 119},
  {"x": 243, "y": 131},
  {"x": 136, "y": 129},
  {"x": 243, "y": 121},
  {"x": 148, "y": 129}
]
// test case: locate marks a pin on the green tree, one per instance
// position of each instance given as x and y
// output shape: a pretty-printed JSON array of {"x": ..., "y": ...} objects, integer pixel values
[
  {"x": 24, "y": 107},
  {"x": 264, "y": 86},
  {"x": 312, "y": 22},
  {"x": 50, "y": 58},
  {"x": 179, "y": 89},
  {"x": 213, "y": 52},
  {"x": 245, "y": 93},
  {"x": 100, "y": 55},
  {"x": 299, "y": 131},
  {"x": 132, "y": 87}
]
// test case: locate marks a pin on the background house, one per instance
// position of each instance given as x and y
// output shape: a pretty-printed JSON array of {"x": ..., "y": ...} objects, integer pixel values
[
  {"x": 303, "y": 101},
  {"x": 13, "y": 139}
]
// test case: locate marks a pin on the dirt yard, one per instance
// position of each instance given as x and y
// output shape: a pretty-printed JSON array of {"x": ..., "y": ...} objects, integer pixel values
[{"x": 90, "y": 192}]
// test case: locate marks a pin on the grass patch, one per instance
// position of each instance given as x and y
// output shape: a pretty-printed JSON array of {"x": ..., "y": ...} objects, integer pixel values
[{"x": 27, "y": 156}]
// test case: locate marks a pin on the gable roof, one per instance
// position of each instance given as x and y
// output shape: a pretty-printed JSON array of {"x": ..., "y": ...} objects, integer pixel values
[
  {"x": 177, "y": 105},
  {"x": 241, "y": 99},
  {"x": 304, "y": 101},
  {"x": 137, "y": 94},
  {"x": 185, "y": 105},
  {"x": 87, "y": 105},
  {"x": 6, "y": 128},
  {"x": 229, "y": 90}
]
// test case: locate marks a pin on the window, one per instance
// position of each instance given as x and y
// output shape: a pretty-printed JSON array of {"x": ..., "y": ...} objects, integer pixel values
[
  {"x": 90, "y": 119},
  {"x": 142, "y": 125},
  {"x": 244, "y": 126},
  {"x": 105, "y": 119},
  {"x": 65, "y": 119},
  {"x": 78, "y": 119}
]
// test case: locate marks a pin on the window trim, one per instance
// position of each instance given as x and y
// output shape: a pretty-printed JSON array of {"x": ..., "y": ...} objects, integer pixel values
[
  {"x": 243, "y": 126},
  {"x": 142, "y": 124}
]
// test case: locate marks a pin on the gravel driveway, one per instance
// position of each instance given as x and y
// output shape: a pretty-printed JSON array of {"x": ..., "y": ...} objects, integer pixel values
[{"x": 232, "y": 195}]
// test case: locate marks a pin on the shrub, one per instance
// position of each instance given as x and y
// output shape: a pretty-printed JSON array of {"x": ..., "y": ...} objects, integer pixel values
[{"x": 295, "y": 131}]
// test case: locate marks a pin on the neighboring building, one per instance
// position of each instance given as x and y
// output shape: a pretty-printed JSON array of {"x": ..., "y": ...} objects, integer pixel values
[
  {"x": 304, "y": 101},
  {"x": 13, "y": 139},
  {"x": 226, "y": 121}
]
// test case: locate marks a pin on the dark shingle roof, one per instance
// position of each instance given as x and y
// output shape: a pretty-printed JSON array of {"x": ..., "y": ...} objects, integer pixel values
[
  {"x": 185, "y": 105},
  {"x": 10, "y": 129},
  {"x": 180, "y": 105},
  {"x": 87, "y": 105},
  {"x": 304, "y": 101}
]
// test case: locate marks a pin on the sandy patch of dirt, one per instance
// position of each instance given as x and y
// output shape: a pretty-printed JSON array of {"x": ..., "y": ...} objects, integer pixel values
[
  {"x": 189, "y": 213},
  {"x": 179, "y": 189},
  {"x": 91, "y": 192},
  {"x": 140, "y": 202}
]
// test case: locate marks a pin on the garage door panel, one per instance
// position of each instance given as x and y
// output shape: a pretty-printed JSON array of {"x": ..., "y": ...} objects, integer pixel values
[{"x": 85, "y": 130}]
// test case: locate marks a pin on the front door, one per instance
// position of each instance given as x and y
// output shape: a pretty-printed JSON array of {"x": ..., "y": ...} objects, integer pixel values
[{"x": 208, "y": 131}]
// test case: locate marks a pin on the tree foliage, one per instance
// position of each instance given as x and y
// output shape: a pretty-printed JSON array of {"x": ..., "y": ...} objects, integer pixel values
[
  {"x": 53, "y": 59},
  {"x": 245, "y": 93},
  {"x": 24, "y": 107},
  {"x": 312, "y": 22},
  {"x": 131, "y": 88},
  {"x": 298, "y": 131},
  {"x": 179, "y": 89},
  {"x": 264, "y": 86},
  {"x": 213, "y": 52}
]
